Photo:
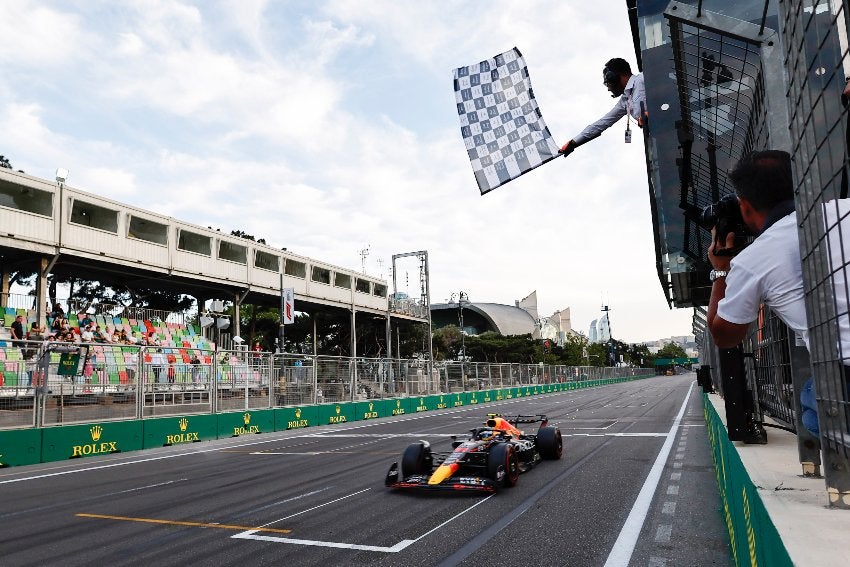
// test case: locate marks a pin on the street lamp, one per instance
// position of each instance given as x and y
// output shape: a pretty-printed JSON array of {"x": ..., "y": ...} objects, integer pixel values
[{"x": 460, "y": 297}]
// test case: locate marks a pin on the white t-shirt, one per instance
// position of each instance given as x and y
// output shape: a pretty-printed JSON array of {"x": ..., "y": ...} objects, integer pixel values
[
  {"x": 768, "y": 271},
  {"x": 838, "y": 233}
]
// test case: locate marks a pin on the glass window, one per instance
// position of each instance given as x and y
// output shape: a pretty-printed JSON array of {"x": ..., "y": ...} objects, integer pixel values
[
  {"x": 194, "y": 242},
  {"x": 362, "y": 285},
  {"x": 295, "y": 269},
  {"x": 380, "y": 290},
  {"x": 147, "y": 230},
  {"x": 94, "y": 216},
  {"x": 342, "y": 280},
  {"x": 321, "y": 275},
  {"x": 232, "y": 252},
  {"x": 26, "y": 199},
  {"x": 266, "y": 261}
]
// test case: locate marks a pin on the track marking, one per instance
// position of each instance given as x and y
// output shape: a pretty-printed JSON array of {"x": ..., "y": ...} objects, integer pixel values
[
  {"x": 623, "y": 548},
  {"x": 403, "y": 544},
  {"x": 181, "y": 523}
]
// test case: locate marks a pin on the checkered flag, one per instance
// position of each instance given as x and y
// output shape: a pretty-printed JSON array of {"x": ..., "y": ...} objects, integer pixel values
[{"x": 501, "y": 124}]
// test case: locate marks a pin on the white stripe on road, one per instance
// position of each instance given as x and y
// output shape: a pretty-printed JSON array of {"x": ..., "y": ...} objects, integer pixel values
[
  {"x": 403, "y": 544},
  {"x": 623, "y": 548}
]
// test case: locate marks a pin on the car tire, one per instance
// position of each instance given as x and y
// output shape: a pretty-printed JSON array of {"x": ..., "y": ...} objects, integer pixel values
[
  {"x": 416, "y": 459},
  {"x": 549, "y": 443},
  {"x": 503, "y": 457}
]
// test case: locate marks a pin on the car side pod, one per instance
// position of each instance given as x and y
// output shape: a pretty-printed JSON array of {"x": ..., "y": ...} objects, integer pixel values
[{"x": 392, "y": 475}]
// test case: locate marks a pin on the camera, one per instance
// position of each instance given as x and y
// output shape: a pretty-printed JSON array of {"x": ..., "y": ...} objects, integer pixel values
[{"x": 725, "y": 217}]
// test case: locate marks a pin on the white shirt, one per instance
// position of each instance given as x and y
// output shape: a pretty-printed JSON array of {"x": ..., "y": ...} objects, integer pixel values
[
  {"x": 768, "y": 271},
  {"x": 629, "y": 102},
  {"x": 837, "y": 230}
]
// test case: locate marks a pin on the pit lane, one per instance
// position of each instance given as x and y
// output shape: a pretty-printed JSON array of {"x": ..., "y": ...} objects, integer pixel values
[{"x": 316, "y": 497}]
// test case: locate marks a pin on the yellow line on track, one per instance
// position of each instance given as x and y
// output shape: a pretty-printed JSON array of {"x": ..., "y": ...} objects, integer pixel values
[{"x": 180, "y": 523}]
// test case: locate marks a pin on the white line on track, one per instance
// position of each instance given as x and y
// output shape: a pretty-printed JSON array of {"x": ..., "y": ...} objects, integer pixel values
[
  {"x": 623, "y": 548},
  {"x": 340, "y": 545}
]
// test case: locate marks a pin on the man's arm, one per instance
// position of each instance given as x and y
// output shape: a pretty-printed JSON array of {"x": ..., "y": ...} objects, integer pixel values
[
  {"x": 595, "y": 130},
  {"x": 725, "y": 333}
]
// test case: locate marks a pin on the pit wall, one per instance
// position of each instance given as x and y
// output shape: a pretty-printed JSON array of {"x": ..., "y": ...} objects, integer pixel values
[
  {"x": 47, "y": 444},
  {"x": 753, "y": 538}
]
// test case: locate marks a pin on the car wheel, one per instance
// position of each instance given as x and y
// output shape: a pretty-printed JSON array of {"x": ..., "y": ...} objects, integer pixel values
[
  {"x": 549, "y": 443},
  {"x": 503, "y": 464},
  {"x": 416, "y": 459}
]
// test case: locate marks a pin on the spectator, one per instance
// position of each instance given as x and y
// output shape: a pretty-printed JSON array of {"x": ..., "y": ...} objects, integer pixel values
[
  {"x": 17, "y": 329},
  {"x": 87, "y": 335},
  {"x": 123, "y": 338},
  {"x": 158, "y": 363},
  {"x": 84, "y": 320},
  {"x": 57, "y": 311},
  {"x": 100, "y": 336},
  {"x": 196, "y": 367},
  {"x": 59, "y": 325},
  {"x": 152, "y": 340},
  {"x": 35, "y": 335}
]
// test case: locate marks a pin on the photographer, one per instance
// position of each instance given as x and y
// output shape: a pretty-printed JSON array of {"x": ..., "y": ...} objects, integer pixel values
[
  {"x": 617, "y": 77},
  {"x": 767, "y": 271}
]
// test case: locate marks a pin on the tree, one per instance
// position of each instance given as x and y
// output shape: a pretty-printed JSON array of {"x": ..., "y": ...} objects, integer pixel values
[
  {"x": 4, "y": 162},
  {"x": 671, "y": 350}
]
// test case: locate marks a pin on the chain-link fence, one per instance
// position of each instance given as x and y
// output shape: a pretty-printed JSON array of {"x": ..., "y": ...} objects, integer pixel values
[
  {"x": 54, "y": 383},
  {"x": 818, "y": 66}
]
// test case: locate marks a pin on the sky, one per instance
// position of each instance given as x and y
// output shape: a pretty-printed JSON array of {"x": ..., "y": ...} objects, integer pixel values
[{"x": 330, "y": 127}]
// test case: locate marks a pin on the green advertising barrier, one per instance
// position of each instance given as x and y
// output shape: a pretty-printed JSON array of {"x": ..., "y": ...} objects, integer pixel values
[
  {"x": 245, "y": 422},
  {"x": 401, "y": 406},
  {"x": 441, "y": 401},
  {"x": 342, "y": 412},
  {"x": 73, "y": 441},
  {"x": 486, "y": 396},
  {"x": 474, "y": 398},
  {"x": 457, "y": 400},
  {"x": 20, "y": 447},
  {"x": 295, "y": 417},
  {"x": 181, "y": 429},
  {"x": 372, "y": 409},
  {"x": 422, "y": 403},
  {"x": 753, "y": 538},
  {"x": 499, "y": 394}
]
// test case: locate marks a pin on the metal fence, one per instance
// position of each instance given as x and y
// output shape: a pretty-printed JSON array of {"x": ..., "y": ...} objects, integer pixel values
[
  {"x": 131, "y": 382},
  {"x": 804, "y": 62},
  {"x": 818, "y": 66}
]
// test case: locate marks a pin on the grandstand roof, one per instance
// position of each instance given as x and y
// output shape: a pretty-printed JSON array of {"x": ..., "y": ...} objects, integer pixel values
[{"x": 482, "y": 317}]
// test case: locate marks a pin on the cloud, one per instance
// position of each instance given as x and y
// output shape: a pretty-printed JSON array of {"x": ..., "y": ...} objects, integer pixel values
[{"x": 326, "y": 127}]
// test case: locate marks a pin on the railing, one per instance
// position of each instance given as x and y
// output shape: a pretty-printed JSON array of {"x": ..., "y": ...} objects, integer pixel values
[
  {"x": 131, "y": 382},
  {"x": 75, "y": 306}
]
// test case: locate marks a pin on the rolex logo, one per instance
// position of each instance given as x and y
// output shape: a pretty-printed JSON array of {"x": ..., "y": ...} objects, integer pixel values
[
  {"x": 184, "y": 423},
  {"x": 441, "y": 399},
  {"x": 96, "y": 432},
  {"x": 338, "y": 410},
  {"x": 371, "y": 406},
  {"x": 247, "y": 418},
  {"x": 398, "y": 403},
  {"x": 421, "y": 401},
  {"x": 298, "y": 413}
]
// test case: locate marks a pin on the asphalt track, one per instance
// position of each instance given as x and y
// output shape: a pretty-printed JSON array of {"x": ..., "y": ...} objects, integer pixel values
[{"x": 636, "y": 486}]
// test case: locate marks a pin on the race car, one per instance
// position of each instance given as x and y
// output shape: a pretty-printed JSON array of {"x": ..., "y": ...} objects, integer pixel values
[{"x": 492, "y": 457}]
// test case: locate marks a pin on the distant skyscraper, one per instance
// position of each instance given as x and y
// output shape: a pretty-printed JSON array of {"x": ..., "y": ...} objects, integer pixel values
[
  {"x": 591, "y": 332},
  {"x": 603, "y": 331}
]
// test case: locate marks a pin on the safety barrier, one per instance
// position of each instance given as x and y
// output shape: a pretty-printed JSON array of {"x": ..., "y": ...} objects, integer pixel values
[
  {"x": 98, "y": 437},
  {"x": 753, "y": 537}
]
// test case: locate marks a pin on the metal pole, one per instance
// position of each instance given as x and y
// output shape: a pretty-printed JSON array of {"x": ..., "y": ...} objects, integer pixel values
[{"x": 280, "y": 330}]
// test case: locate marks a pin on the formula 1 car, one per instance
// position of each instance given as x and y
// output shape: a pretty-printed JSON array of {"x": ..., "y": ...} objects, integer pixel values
[{"x": 492, "y": 457}]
